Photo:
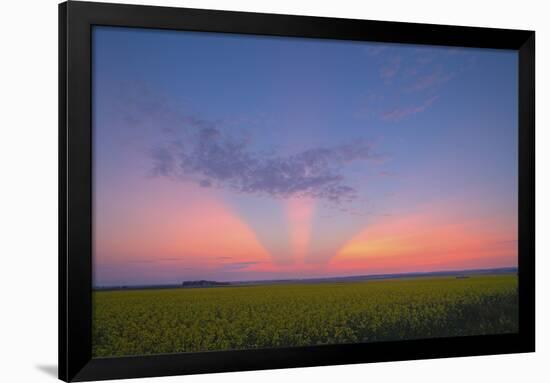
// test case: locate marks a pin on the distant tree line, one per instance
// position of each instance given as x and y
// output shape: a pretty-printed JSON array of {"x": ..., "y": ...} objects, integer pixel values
[{"x": 203, "y": 283}]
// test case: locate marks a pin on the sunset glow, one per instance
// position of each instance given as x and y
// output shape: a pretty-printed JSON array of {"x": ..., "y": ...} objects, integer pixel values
[
  {"x": 429, "y": 241},
  {"x": 237, "y": 158}
]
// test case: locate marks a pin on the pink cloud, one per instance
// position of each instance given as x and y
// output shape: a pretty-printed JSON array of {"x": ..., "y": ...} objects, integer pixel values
[
  {"x": 391, "y": 68},
  {"x": 429, "y": 81},
  {"x": 398, "y": 114}
]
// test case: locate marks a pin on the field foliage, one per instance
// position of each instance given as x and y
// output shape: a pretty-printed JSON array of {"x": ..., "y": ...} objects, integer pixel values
[{"x": 139, "y": 322}]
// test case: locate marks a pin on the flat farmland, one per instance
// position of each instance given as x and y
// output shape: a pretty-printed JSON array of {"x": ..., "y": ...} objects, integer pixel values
[{"x": 153, "y": 321}]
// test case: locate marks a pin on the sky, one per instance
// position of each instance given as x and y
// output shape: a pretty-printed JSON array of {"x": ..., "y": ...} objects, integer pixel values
[{"x": 238, "y": 157}]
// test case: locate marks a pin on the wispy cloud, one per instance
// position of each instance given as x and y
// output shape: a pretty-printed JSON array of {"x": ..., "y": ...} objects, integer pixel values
[
  {"x": 400, "y": 113},
  {"x": 387, "y": 173},
  {"x": 238, "y": 265},
  {"x": 429, "y": 81},
  {"x": 390, "y": 67},
  {"x": 409, "y": 74},
  {"x": 375, "y": 50},
  {"x": 157, "y": 260}
]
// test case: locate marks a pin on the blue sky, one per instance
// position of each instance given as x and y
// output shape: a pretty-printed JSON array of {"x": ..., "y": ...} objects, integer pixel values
[{"x": 360, "y": 130}]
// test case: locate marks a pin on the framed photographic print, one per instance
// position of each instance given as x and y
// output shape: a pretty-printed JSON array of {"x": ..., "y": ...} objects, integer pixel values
[{"x": 249, "y": 191}]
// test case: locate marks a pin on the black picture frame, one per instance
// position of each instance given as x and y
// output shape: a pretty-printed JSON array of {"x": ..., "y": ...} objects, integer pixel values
[{"x": 75, "y": 189}]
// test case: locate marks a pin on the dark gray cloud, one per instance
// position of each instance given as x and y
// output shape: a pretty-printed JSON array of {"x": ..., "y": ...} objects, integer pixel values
[
  {"x": 214, "y": 159},
  {"x": 202, "y": 151},
  {"x": 157, "y": 260},
  {"x": 238, "y": 265}
]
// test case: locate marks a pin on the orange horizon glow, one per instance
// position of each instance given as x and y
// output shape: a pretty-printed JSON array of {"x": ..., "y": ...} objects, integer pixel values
[
  {"x": 205, "y": 236},
  {"x": 429, "y": 241},
  {"x": 171, "y": 234}
]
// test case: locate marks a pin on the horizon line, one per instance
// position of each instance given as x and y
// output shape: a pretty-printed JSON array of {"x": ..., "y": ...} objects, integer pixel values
[{"x": 249, "y": 281}]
